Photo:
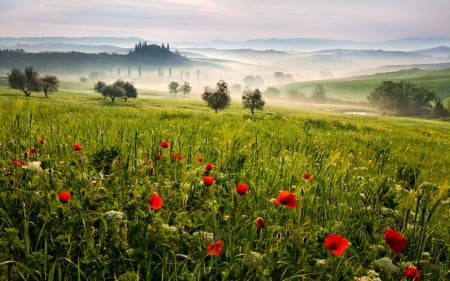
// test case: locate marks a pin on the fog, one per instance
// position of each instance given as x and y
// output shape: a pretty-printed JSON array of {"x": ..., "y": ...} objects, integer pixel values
[{"x": 241, "y": 68}]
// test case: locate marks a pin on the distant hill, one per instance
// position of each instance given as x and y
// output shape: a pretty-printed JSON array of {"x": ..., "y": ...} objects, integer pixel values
[
  {"x": 111, "y": 41},
  {"x": 144, "y": 56},
  {"x": 357, "y": 88}
]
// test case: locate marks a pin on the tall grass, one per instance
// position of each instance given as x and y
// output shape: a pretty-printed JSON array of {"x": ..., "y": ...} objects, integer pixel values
[{"x": 368, "y": 174}]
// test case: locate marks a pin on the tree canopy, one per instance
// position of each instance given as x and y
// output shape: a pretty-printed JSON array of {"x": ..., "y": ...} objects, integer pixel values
[
  {"x": 27, "y": 81},
  {"x": 402, "y": 98},
  {"x": 49, "y": 84},
  {"x": 219, "y": 97},
  {"x": 253, "y": 100},
  {"x": 119, "y": 89}
]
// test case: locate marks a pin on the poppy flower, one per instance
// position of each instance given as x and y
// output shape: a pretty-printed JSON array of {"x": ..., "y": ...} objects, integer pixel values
[
  {"x": 159, "y": 156},
  {"x": 64, "y": 197},
  {"x": 260, "y": 223},
  {"x": 155, "y": 202},
  {"x": 208, "y": 180},
  {"x": 241, "y": 188},
  {"x": 32, "y": 150},
  {"x": 214, "y": 248},
  {"x": 165, "y": 144},
  {"x": 209, "y": 166},
  {"x": 307, "y": 176},
  {"x": 199, "y": 159},
  {"x": 17, "y": 163},
  {"x": 336, "y": 244},
  {"x": 41, "y": 140},
  {"x": 77, "y": 147},
  {"x": 412, "y": 273},
  {"x": 286, "y": 198},
  {"x": 176, "y": 156},
  {"x": 395, "y": 240}
]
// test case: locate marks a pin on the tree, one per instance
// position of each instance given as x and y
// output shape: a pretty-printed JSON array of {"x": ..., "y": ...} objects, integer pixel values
[
  {"x": 130, "y": 90},
  {"x": 49, "y": 84},
  {"x": 113, "y": 91},
  {"x": 99, "y": 87},
  {"x": 319, "y": 93},
  {"x": 272, "y": 91},
  {"x": 402, "y": 98},
  {"x": 173, "y": 87},
  {"x": 253, "y": 100},
  {"x": 26, "y": 81},
  {"x": 253, "y": 81},
  {"x": 219, "y": 97},
  {"x": 186, "y": 88}
]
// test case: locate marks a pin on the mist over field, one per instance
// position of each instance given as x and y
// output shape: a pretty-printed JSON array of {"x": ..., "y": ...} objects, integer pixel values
[{"x": 285, "y": 70}]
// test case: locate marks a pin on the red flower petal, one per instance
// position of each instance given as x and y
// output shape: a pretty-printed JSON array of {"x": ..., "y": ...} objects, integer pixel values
[
  {"x": 41, "y": 140},
  {"x": 286, "y": 198},
  {"x": 159, "y": 156},
  {"x": 412, "y": 273},
  {"x": 64, "y": 197},
  {"x": 199, "y": 159},
  {"x": 77, "y": 147},
  {"x": 215, "y": 248},
  {"x": 155, "y": 202},
  {"x": 307, "y": 176},
  {"x": 336, "y": 244},
  {"x": 208, "y": 180},
  {"x": 209, "y": 166},
  {"x": 260, "y": 223},
  {"x": 165, "y": 144},
  {"x": 241, "y": 188},
  {"x": 395, "y": 240}
]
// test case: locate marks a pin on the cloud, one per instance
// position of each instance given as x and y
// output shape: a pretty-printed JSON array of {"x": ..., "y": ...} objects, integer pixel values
[{"x": 232, "y": 19}]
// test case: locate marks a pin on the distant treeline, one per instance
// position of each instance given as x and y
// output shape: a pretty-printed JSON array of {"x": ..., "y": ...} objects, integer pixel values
[{"x": 144, "y": 56}]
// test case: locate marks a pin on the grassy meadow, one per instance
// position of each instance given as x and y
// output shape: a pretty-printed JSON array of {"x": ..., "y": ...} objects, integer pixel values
[
  {"x": 351, "y": 175},
  {"x": 357, "y": 88}
]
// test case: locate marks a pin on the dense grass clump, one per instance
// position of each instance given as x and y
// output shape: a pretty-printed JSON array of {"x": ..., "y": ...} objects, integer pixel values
[{"x": 350, "y": 176}]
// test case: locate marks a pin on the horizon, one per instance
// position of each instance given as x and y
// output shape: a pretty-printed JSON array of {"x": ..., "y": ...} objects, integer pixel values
[{"x": 209, "y": 20}]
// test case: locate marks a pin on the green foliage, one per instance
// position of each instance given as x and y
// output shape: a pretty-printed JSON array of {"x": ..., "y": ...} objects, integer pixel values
[
  {"x": 27, "y": 81},
  {"x": 319, "y": 93},
  {"x": 173, "y": 87},
  {"x": 361, "y": 168},
  {"x": 253, "y": 100},
  {"x": 403, "y": 98},
  {"x": 49, "y": 84},
  {"x": 218, "y": 98}
]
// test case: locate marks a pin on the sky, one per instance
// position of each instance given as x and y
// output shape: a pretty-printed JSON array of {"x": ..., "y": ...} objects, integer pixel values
[{"x": 204, "y": 20}]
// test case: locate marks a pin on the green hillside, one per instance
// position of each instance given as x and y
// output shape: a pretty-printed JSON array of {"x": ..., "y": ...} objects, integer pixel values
[{"x": 357, "y": 88}]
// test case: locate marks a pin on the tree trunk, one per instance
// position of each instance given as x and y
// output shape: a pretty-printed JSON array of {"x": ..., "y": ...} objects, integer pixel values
[
  {"x": 46, "y": 94},
  {"x": 112, "y": 99},
  {"x": 27, "y": 92}
]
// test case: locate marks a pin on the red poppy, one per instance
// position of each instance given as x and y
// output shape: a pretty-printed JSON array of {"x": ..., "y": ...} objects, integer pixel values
[
  {"x": 241, "y": 188},
  {"x": 159, "y": 156},
  {"x": 77, "y": 147},
  {"x": 286, "y": 198},
  {"x": 64, "y": 197},
  {"x": 32, "y": 150},
  {"x": 165, "y": 144},
  {"x": 307, "y": 176},
  {"x": 336, "y": 244},
  {"x": 41, "y": 140},
  {"x": 412, "y": 273},
  {"x": 209, "y": 166},
  {"x": 395, "y": 240},
  {"x": 176, "y": 156},
  {"x": 214, "y": 248},
  {"x": 155, "y": 201},
  {"x": 208, "y": 180},
  {"x": 260, "y": 223},
  {"x": 199, "y": 159},
  {"x": 17, "y": 163}
]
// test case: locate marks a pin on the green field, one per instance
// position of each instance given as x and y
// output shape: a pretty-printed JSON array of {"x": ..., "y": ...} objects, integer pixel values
[
  {"x": 357, "y": 88},
  {"x": 369, "y": 173}
]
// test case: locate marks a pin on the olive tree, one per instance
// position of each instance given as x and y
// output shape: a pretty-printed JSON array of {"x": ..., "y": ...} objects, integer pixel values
[
  {"x": 49, "y": 84},
  {"x": 27, "y": 81},
  {"x": 253, "y": 100},
  {"x": 219, "y": 97}
]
